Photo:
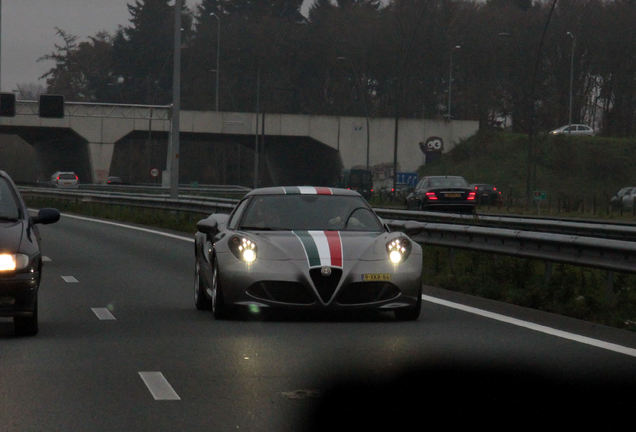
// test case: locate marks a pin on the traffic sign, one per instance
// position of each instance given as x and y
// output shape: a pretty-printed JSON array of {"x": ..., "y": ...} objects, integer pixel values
[
  {"x": 540, "y": 195},
  {"x": 154, "y": 172},
  {"x": 406, "y": 178}
]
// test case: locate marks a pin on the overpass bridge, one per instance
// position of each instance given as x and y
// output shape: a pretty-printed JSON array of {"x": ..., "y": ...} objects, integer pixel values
[{"x": 97, "y": 140}]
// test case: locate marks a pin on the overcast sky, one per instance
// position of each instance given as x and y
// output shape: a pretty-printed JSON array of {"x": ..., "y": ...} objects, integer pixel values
[{"x": 28, "y": 31}]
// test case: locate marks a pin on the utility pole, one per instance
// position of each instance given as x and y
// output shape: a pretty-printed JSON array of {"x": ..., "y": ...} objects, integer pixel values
[
  {"x": 571, "y": 76},
  {"x": 218, "y": 56},
  {"x": 173, "y": 147},
  {"x": 258, "y": 92}
]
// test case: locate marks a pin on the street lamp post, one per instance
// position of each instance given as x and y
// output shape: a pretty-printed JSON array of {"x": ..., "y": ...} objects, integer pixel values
[
  {"x": 173, "y": 147},
  {"x": 364, "y": 101},
  {"x": 571, "y": 76},
  {"x": 218, "y": 55},
  {"x": 450, "y": 78}
]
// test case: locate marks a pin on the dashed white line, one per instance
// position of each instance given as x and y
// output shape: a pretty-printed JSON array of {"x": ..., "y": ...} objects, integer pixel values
[
  {"x": 46, "y": 259},
  {"x": 70, "y": 279},
  {"x": 158, "y": 385},
  {"x": 536, "y": 327},
  {"x": 103, "y": 314}
]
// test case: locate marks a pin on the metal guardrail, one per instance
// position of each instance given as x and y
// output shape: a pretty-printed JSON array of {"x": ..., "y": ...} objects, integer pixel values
[
  {"x": 608, "y": 254},
  {"x": 601, "y": 229},
  {"x": 594, "y": 249}
]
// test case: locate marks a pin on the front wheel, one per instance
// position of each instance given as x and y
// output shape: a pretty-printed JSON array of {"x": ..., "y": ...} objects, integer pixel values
[
  {"x": 201, "y": 301},
  {"x": 27, "y": 326},
  {"x": 219, "y": 308}
]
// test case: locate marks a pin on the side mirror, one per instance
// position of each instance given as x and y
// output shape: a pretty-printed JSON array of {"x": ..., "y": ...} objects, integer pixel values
[
  {"x": 46, "y": 216},
  {"x": 208, "y": 226}
]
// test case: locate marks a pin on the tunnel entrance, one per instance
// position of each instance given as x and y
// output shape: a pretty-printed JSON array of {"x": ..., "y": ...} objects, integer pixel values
[
  {"x": 227, "y": 159},
  {"x": 33, "y": 154}
]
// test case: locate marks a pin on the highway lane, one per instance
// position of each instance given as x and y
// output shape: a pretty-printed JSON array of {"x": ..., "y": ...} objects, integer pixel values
[{"x": 83, "y": 373}]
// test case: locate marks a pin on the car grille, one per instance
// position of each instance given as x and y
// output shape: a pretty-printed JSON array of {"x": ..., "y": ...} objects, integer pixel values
[
  {"x": 367, "y": 292},
  {"x": 325, "y": 285},
  {"x": 283, "y": 292}
]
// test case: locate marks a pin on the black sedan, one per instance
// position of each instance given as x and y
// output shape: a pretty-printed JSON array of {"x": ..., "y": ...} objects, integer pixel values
[
  {"x": 442, "y": 193},
  {"x": 487, "y": 194},
  {"x": 20, "y": 258}
]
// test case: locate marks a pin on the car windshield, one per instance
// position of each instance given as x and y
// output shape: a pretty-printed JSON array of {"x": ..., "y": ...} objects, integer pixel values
[
  {"x": 9, "y": 209},
  {"x": 67, "y": 176},
  {"x": 448, "y": 182},
  {"x": 309, "y": 212}
]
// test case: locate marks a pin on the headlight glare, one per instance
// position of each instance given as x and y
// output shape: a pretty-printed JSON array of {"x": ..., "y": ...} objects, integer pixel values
[
  {"x": 13, "y": 262},
  {"x": 243, "y": 248},
  {"x": 398, "y": 249}
]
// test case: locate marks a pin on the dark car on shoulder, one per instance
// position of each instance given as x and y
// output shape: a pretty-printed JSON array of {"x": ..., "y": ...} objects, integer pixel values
[
  {"x": 20, "y": 258},
  {"x": 442, "y": 193},
  {"x": 487, "y": 194}
]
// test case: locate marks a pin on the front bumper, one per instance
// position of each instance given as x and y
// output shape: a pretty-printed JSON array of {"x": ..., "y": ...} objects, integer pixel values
[
  {"x": 18, "y": 293},
  {"x": 292, "y": 285}
]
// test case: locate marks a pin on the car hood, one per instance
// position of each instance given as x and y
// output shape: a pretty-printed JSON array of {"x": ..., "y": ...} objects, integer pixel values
[
  {"x": 11, "y": 236},
  {"x": 321, "y": 247}
]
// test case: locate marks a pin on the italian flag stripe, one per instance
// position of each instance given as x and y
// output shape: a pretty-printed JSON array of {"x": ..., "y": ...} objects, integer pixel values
[
  {"x": 324, "y": 191},
  {"x": 307, "y": 190},
  {"x": 335, "y": 247},
  {"x": 311, "y": 251},
  {"x": 322, "y": 248}
]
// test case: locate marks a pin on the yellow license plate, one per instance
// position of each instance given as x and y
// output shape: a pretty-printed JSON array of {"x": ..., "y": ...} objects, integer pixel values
[
  {"x": 376, "y": 276},
  {"x": 454, "y": 195}
]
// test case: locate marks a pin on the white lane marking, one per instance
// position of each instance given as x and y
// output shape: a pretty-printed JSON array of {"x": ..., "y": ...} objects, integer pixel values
[
  {"x": 46, "y": 259},
  {"x": 121, "y": 225},
  {"x": 69, "y": 279},
  {"x": 536, "y": 327},
  {"x": 103, "y": 314},
  {"x": 159, "y": 386}
]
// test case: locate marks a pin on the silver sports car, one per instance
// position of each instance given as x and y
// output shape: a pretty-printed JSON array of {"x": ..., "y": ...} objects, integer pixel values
[{"x": 302, "y": 247}]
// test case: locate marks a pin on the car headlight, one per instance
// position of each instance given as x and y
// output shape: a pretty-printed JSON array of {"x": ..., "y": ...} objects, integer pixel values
[
  {"x": 243, "y": 248},
  {"x": 398, "y": 249},
  {"x": 13, "y": 262}
]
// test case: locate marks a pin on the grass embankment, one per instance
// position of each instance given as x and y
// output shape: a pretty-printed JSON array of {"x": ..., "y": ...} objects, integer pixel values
[{"x": 578, "y": 174}]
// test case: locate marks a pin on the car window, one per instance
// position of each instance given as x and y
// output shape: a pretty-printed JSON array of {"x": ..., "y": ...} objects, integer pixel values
[
  {"x": 236, "y": 214},
  {"x": 309, "y": 212},
  {"x": 9, "y": 208}
]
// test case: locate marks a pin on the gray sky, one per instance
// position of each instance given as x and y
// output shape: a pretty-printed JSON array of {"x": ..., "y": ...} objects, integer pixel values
[{"x": 28, "y": 31}]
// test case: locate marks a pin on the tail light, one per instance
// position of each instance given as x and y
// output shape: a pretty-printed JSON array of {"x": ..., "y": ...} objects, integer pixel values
[
  {"x": 431, "y": 196},
  {"x": 471, "y": 196},
  {"x": 371, "y": 190},
  {"x": 76, "y": 178},
  {"x": 476, "y": 188},
  {"x": 58, "y": 177},
  {"x": 494, "y": 188}
]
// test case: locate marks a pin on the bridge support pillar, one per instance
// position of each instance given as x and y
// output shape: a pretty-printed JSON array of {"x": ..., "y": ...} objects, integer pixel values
[{"x": 101, "y": 156}]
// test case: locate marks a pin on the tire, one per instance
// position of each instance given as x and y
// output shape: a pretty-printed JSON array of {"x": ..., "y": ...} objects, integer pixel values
[
  {"x": 412, "y": 313},
  {"x": 218, "y": 306},
  {"x": 201, "y": 300},
  {"x": 27, "y": 326}
]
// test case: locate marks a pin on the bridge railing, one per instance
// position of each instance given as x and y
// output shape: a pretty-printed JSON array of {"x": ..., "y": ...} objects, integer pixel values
[{"x": 600, "y": 245}]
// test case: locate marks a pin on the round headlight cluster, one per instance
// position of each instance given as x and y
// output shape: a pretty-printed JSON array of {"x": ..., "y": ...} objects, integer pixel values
[
  {"x": 397, "y": 249},
  {"x": 244, "y": 249}
]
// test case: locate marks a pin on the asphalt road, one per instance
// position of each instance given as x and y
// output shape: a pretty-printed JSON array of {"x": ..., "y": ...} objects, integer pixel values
[{"x": 122, "y": 348}]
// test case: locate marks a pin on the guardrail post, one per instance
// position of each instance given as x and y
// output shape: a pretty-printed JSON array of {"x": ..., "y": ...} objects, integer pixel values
[
  {"x": 548, "y": 272},
  {"x": 610, "y": 296}
]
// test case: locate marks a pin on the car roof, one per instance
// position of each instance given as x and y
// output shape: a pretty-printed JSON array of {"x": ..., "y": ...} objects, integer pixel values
[{"x": 298, "y": 190}]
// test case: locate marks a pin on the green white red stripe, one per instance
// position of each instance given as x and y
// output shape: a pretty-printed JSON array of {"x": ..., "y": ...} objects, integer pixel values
[
  {"x": 307, "y": 190},
  {"x": 322, "y": 248}
]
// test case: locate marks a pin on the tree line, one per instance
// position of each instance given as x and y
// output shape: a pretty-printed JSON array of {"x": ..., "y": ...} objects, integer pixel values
[{"x": 505, "y": 62}]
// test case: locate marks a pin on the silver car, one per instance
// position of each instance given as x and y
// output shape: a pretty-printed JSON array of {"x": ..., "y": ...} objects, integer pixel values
[
  {"x": 65, "y": 179},
  {"x": 307, "y": 248},
  {"x": 573, "y": 129}
]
